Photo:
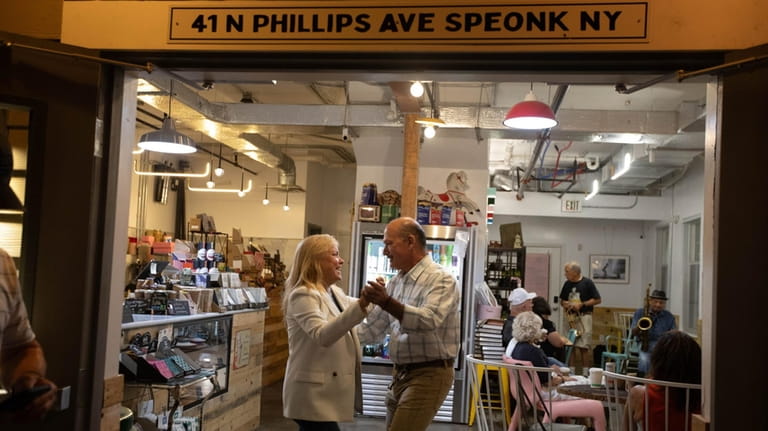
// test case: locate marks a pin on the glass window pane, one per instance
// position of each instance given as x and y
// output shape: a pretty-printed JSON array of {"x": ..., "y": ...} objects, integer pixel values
[{"x": 692, "y": 258}]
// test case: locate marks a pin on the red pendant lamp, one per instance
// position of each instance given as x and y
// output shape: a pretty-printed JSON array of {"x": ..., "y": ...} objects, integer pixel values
[{"x": 530, "y": 114}]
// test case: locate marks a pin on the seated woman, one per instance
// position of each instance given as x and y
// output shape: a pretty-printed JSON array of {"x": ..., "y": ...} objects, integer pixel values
[
  {"x": 527, "y": 331},
  {"x": 675, "y": 358},
  {"x": 554, "y": 343}
]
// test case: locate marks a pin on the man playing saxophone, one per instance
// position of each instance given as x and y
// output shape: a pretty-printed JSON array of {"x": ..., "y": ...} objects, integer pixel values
[{"x": 650, "y": 323}]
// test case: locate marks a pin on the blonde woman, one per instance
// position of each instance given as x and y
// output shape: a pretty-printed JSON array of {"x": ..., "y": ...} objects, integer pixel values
[{"x": 322, "y": 377}]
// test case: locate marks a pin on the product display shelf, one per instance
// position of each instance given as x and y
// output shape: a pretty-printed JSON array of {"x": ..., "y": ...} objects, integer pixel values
[
  {"x": 204, "y": 339},
  {"x": 220, "y": 240},
  {"x": 503, "y": 266}
]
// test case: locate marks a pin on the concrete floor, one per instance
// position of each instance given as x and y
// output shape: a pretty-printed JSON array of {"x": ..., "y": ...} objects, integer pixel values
[{"x": 272, "y": 416}]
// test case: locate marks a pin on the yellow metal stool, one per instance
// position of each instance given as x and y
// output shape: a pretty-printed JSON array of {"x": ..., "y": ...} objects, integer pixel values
[{"x": 491, "y": 401}]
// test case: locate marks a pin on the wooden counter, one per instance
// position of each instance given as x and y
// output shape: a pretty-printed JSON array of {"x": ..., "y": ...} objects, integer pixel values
[{"x": 275, "y": 338}]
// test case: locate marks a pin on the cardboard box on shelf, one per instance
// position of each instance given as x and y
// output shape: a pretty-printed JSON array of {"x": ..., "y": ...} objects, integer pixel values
[
  {"x": 195, "y": 224},
  {"x": 162, "y": 248},
  {"x": 237, "y": 236},
  {"x": 144, "y": 252},
  {"x": 508, "y": 233}
]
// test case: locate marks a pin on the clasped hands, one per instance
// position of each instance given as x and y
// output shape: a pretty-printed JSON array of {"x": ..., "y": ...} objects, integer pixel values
[{"x": 375, "y": 292}]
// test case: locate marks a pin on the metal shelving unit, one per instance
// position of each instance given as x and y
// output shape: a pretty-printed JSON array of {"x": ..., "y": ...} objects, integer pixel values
[{"x": 501, "y": 265}]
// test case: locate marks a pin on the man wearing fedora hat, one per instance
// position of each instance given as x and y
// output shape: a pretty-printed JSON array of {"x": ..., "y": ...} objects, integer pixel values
[{"x": 662, "y": 321}]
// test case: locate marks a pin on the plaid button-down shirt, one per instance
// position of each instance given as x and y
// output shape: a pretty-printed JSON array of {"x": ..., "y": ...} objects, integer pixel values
[
  {"x": 14, "y": 324},
  {"x": 430, "y": 327}
]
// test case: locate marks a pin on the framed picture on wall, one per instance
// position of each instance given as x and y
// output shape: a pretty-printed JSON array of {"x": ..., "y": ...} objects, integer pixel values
[{"x": 609, "y": 268}]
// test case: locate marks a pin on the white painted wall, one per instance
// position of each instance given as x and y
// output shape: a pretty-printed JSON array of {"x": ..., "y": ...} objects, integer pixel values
[
  {"x": 158, "y": 216},
  {"x": 687, "y": 204},
  {"x": 580, "y": 238},
  {"x": 228, "y": 210},
  {"x": 331, "y": 198}
]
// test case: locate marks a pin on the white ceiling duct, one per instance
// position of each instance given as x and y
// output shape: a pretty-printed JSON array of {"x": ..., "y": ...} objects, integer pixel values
[{"x": 285, "y": 164}]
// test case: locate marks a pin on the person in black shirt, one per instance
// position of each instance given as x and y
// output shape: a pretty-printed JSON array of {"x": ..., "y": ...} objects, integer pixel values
[
  {"x": 554, "y": 343},
  {"x": 578, "y": 298}
]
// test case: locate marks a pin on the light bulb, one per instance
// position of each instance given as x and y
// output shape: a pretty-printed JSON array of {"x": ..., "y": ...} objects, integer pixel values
[
  {"x": 417, "y": 90},
  {"x": 265, "y": 201},
  {"x": 210, "y": 184},
  {"x": 240, "y": 193},
  {"x": 286, "y": 207},
  {"x": 429, "y": 132},
  {"x": 219, "y": 171}
]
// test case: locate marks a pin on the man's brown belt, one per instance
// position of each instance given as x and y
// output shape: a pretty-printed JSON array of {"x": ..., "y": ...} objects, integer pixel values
[{"x": 442, "y": 363}]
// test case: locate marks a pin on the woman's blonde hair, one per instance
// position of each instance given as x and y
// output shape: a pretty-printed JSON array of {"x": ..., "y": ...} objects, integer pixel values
[
  {"x": 527, "y": 327},
  {"x": 306, "y": 270}
]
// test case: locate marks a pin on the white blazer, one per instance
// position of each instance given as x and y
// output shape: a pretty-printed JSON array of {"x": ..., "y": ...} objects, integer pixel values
[{"x": 323, "y": 371}]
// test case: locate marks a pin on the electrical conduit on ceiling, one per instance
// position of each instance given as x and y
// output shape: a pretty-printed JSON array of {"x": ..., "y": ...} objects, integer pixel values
[{"x": 557, "y": 100}]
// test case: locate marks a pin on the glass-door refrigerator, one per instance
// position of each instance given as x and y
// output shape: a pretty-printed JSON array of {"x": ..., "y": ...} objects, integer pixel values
[{"x": 454, "y": 249}]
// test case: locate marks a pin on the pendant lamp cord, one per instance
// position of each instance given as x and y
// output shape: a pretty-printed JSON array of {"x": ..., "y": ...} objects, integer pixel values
[{"x": 170, "y": 101}]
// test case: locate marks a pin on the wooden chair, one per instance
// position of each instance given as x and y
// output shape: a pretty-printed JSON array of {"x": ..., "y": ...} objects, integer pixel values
[
  {"x": 622, "y": 358},
  {"x": 569, "y": 348},
  {"x": 660, "y": 412},
  {"x": 623, "y": 322}
]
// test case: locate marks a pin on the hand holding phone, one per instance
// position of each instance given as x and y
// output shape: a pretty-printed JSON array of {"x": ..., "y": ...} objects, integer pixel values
[{"x": 20, "y": 399}]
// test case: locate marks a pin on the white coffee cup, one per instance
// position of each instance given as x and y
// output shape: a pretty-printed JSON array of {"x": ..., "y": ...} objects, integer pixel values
[{"x": 595, "y": 376}]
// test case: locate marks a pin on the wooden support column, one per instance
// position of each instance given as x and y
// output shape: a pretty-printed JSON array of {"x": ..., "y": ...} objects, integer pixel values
[{"x": 410, "y": 166}]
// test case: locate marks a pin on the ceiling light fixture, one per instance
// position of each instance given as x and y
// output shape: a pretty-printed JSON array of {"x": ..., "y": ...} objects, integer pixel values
[
  {"x": 210, "y": 183},
  {"x": 242, "y": 192},
  {"x": 167, "y": 139},
  {"x": 173, "y": 174},
  {"x": 624, "y": 168},
  {"x": 219, "y": 171},
  {"x": 432, "y": 122},
  {"x": 286, "y": 207},
  {"x": 530, "y": 114},
  {"x": 265, "y": 201},
  {"x": 595, "y": 189},
  {"x": 417, "y": 89},
  {"x": 213, "y": 190}
]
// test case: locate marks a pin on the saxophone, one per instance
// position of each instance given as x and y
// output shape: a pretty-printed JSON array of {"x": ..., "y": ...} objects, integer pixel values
[
  {"x": 644, "y": 324},
  {"x": 574, "y": 318}
]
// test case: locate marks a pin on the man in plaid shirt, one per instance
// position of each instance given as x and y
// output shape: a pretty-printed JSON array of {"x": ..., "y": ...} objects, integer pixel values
[
  {"x": 22, "y": 364},
  {"x": 419, "y": 309}
]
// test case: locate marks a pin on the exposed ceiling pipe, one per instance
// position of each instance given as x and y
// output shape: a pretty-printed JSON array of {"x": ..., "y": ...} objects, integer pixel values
[
  {"x": 557, "y": 100},
  {"x": 285, "y": 164}
]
